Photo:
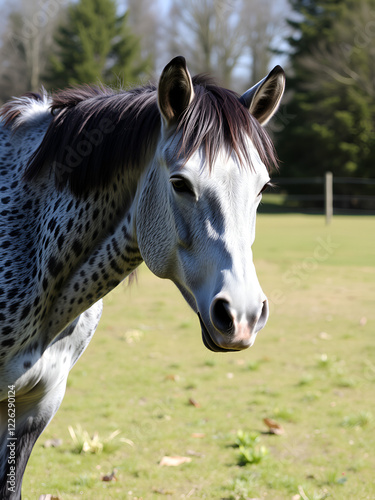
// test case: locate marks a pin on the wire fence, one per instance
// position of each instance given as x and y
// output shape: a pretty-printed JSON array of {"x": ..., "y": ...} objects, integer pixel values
[{"x": 328, "y": 195}]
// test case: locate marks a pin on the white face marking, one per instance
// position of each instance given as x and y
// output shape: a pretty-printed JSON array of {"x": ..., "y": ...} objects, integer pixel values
[{"x": 233, "y": 187}]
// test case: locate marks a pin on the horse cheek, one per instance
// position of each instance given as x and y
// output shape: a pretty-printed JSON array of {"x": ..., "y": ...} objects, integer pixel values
[{"x": 155, "y": 235}]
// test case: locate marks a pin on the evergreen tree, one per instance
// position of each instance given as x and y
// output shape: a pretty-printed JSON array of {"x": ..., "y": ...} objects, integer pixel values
[
  {"x": 95, "y": 44},
  {"x": 333, "y": 95}
]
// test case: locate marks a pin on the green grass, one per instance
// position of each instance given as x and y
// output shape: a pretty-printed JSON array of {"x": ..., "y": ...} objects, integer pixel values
[{"x": 312, "y": 369}]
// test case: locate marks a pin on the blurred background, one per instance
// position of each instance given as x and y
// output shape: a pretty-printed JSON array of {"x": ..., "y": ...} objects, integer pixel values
[{"x": 327, "y": 48}]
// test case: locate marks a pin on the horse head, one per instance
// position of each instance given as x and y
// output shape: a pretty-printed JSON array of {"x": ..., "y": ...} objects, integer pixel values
[{"x": 197, "y": 203}]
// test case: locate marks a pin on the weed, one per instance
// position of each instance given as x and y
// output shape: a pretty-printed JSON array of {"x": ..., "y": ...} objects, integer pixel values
[
  {"x": 286, "y": 414},
  {"x": 251, "y": 455},
  {"x": 253, "y": 366},
  {"x": 346, "y": 382},
  {"x": 334, "y": 477},
  {"x": 246, "y": 439},
  {"x": 307, "y": 379},
  {"x": 311, "y": 396},
  {"x": 185, "y": 325},
  {"x": 175, "y": 366},
  {"x": 84, "y": 443},
  {"x": 242, "y": 488},
  {"x": 85, "y": 481},
  {"x": 360, "y": 419},
  {"x": 324, "y": 361},
  {"x": 250, "y": 451},
  {"x": 210, "y": 363}
]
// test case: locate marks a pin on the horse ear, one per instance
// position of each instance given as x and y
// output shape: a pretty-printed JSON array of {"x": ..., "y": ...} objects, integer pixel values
[
  {"x": 175, "y": 90},
  {"x": 264, "y": 98}
]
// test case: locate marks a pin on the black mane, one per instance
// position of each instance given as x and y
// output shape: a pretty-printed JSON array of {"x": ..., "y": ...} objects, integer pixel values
[{"x": 97, "y": 131}]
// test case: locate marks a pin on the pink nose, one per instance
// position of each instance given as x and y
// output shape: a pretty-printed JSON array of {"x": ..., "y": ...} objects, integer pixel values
[{"x": 226, "y": 321}]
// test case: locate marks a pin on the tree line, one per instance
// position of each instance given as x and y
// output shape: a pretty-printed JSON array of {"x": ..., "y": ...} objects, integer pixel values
[
  {"x": 326, "y": 121},
  {"x": 56, "y": 43}
]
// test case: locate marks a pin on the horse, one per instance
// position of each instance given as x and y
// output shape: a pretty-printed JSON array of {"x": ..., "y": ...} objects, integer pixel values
[{"x": 93, "y": 182}]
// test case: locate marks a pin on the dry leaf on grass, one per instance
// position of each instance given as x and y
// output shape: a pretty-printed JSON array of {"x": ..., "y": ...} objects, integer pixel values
[
  {"x": 273, "y": 427},
  {"x": 110, "y": 477},
  {"x": 193, "y": 402},
  {"x": 174, "y": 461},
  {"x": 198, "y": 435}
]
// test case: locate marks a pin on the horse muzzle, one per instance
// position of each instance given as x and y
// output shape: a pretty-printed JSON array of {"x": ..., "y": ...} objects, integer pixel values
[{"x": 227, "y": 330}]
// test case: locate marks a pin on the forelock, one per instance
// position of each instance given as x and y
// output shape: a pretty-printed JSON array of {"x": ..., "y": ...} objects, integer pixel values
[{"x": 215, "y": 120}]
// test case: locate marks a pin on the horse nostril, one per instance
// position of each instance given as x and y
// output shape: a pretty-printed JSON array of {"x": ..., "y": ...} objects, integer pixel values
[
  {"x": 221, "y": 316},
  {"x": 263, "y": 316}
]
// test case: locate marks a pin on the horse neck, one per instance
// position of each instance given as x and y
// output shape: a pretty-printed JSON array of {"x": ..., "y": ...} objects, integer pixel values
[
  {"x": 95, "y": 249},
  {"x": 68, "y": 252}
]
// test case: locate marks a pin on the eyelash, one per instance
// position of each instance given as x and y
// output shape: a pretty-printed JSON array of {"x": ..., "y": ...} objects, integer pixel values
[
  {"x": 265, "y": 187},
  {"x": 181, "y": 185}
]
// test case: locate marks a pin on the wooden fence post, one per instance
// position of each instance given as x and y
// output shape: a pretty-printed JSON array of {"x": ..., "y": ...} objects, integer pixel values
[{"x": 328, "y": 196}]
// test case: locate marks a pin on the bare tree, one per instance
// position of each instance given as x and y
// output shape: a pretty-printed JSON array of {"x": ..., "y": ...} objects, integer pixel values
[
  {"x": 144, "y": 19},
  {"x": 264, "y": 25},
  {"x": 26, "y": 42},
  {"x": 209, "y": 33},
  {"x": 224, "y": 37}
]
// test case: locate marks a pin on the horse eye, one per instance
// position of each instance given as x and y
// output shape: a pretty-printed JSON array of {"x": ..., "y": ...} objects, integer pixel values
[
  {"x": 265, "y": 187},
  {"x": 181, "y": 185}
]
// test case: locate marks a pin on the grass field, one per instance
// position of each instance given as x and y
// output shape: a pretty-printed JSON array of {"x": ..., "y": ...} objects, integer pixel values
[{"x": 312, "y": 369}]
